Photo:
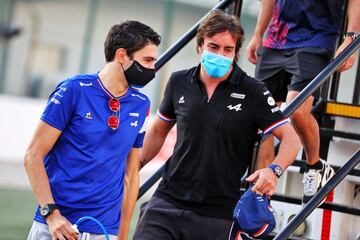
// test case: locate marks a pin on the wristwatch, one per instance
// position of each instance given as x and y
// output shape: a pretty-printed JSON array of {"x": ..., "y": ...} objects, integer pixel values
[
  {"x": 276, "y": 169},
  {"x": 353, "y": 35},
  {"x": 47, "y": 209}
]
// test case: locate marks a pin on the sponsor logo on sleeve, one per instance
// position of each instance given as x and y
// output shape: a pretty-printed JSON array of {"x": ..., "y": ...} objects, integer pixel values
[
  {"x": 271, "y": 101},
  {"x": 275, "y": 109},
  {"x": 54, "y": 100},
  {"x": 58, "y": 94}
]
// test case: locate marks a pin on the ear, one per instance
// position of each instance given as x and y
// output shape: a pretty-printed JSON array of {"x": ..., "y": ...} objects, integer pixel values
[
  {"x": 198, "y": 49},
  {"x": 120, "y": 55}
]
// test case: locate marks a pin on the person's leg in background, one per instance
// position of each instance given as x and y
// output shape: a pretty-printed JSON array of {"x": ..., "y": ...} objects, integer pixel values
[
  {"x": 307, "y": 127},
  {"x": 317, "y": 171},
  {"x": 304, "y": 65}
]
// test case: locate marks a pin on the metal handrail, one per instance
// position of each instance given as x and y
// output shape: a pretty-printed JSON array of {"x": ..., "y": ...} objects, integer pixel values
[
  {"x": 316, "y": 200},
  {"x": 326, "y": 205}
]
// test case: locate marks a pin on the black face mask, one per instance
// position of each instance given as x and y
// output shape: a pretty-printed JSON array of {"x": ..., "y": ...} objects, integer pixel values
[{"x": 138, "y": 76}]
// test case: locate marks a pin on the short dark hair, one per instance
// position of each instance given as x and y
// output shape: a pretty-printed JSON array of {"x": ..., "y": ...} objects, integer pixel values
[
  {"x": 130, "y": 35},
  {"x": 217, "y": 22}
]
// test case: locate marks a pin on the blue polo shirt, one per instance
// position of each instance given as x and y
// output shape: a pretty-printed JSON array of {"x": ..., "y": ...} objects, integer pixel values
[
  {"x": 305, "y": 23},
  {"x": 86, "y": 166}
]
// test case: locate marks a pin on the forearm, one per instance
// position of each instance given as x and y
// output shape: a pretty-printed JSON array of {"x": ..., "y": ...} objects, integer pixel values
[
  {"x": 353, "y": 26},
  {"x": 152, "y": 145},
  {"x": 264, "y": 17},
  {"x": 39, "y": 181},
  {"x": 154, "y": 139},
  {"x": 289, "y": 147},
  {"x": 131, "y": 190}
]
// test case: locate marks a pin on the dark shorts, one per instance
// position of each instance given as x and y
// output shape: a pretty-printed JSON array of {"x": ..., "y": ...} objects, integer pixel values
[
  {"x": 160, "y": 219},
  {"x": 290, "y": 69}
]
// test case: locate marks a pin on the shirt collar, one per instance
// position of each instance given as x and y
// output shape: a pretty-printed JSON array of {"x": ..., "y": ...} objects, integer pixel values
[{"x": 234, "y": 77}]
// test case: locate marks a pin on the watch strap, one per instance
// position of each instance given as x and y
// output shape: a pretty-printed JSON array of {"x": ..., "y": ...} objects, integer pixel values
[
  {"x": 278, "y": 171},
  {"x": 353, "y": 35},
  {"x": 48, "y": 209}
]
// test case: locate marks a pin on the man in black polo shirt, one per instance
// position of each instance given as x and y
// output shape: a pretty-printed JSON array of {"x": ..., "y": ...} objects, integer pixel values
[{"x": 218, "y": 109}]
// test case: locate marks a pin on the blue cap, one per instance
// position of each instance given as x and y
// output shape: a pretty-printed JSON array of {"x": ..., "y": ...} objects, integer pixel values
[{"x": 253, "y": 217}]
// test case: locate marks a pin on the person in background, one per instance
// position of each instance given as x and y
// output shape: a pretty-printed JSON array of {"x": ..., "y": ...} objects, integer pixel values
[
  {"x": 299, "y": 43},
  {"x": 83, "y": 159}
]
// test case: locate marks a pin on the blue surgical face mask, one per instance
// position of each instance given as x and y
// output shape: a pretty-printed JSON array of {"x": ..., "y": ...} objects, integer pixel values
[{"x": 216, "y": 65}]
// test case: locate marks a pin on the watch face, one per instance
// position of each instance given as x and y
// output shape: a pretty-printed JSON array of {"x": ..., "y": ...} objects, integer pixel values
[
  {"x": 278, "y": 170},
  {"x": 44, "y": 210}
]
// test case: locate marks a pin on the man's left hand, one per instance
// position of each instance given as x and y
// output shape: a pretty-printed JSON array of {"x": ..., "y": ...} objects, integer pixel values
[
  {"x": 265, "y": 181},
  {"x": 349, "y": 62}
]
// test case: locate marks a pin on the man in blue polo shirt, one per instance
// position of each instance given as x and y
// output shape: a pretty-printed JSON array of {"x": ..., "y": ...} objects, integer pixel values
[
  {"x": 299, "y": 43},
  {"x": 83, "y": 158}
]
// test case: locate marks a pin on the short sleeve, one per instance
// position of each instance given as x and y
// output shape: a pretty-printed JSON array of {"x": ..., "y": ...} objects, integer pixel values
[
  {"x": 268, "y": 115},
  {"x": 59, "y": 109},
  {"x": 141, "y": 135},
  {"x": 166, "y": 110}
]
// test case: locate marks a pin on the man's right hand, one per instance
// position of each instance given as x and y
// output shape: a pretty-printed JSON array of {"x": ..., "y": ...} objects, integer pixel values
[
  {"x": 254, "y": 45},
  {"x": 60, "y": 228}
]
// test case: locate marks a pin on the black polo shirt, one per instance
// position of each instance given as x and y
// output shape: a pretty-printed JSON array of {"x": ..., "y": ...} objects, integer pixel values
[{"x": 215, "y": 139}]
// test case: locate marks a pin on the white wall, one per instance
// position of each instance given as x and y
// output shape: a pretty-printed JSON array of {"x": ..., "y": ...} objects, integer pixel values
[{"x": 19, "y": 116}]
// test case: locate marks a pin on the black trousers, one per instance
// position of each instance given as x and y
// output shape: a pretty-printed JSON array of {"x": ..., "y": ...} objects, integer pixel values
[{"x": 161, "y": 220}]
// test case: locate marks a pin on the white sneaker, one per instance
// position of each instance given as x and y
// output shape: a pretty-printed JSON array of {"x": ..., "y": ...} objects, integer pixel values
[{"x": 315, "y": 179}]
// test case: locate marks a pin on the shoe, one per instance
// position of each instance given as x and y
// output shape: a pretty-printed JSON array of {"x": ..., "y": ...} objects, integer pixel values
[{"x": 314, "y": 179}]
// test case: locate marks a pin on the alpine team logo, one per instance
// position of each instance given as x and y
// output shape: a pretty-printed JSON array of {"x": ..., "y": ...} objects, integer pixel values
[
  {"x": 134, "y": 124},
  {"x": 236, "y": 107}
]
